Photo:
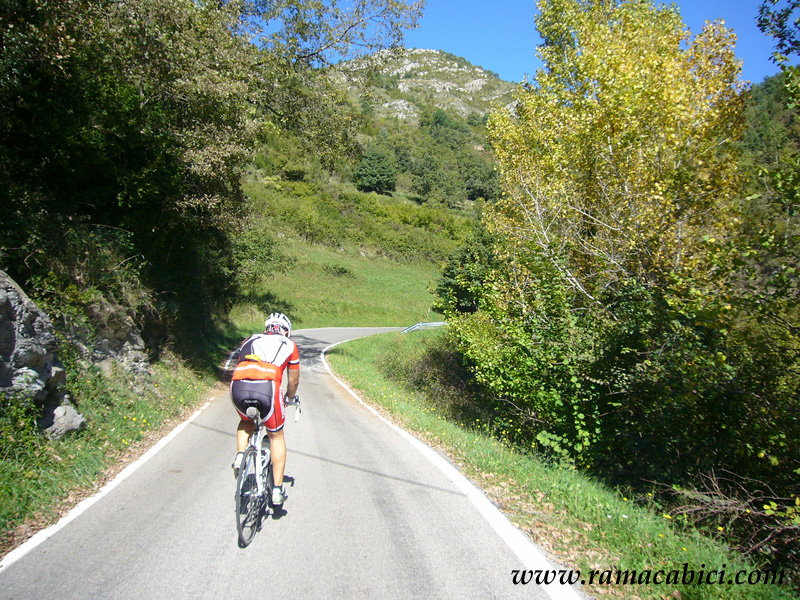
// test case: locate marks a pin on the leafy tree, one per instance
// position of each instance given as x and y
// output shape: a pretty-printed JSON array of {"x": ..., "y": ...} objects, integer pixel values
[
  {"x": 480, "y": 177},
  {"x": 620, "y": 177},
  {"x": 619, "y": 156},
  {"x": 772, "y": 135},
  {"x": 639, "y": 316},
  {"x": 466, "y": 274},
  {"x": 427, "y": 173},
  {"x": 133, "y": 116},
  {"x": 376, "y": 173},
  {"x": 775, "y": 19},
  {"x": 445, "y": 128}
]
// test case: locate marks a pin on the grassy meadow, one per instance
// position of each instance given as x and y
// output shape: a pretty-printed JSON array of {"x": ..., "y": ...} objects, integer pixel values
[{"x": 324, "y": 287}]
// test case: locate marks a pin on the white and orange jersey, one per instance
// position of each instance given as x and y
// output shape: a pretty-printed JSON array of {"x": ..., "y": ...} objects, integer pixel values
[{"x": 266, "y": 357}]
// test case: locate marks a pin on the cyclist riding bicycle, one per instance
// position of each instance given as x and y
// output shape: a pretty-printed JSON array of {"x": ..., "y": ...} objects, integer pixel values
[{"x": 263, "y": 358}]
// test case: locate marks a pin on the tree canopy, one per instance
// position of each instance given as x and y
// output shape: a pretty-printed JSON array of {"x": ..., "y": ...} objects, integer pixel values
[{"x": 618, "y": 156}]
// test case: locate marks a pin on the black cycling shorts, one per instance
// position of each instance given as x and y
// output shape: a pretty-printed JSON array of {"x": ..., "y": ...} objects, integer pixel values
[{"x": 261, "y": 393}]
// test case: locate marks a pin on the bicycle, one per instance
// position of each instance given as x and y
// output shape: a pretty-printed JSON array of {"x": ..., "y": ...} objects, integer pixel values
[{"x": 255, "y": 481}]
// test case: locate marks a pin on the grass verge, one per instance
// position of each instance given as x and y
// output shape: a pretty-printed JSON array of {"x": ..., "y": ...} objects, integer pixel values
[
  {"x": 582, "y": 523},
  {"x": 41, "y": 479}
]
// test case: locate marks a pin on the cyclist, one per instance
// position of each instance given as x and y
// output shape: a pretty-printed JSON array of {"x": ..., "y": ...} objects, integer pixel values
[{"x": 263, "y": 358}]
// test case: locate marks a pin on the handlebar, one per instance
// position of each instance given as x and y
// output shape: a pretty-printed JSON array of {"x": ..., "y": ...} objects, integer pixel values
[{"x": 296, "y": 403}]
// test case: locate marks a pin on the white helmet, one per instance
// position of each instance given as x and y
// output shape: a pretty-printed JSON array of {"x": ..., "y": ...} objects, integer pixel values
[{"x": 277, "y": 321}]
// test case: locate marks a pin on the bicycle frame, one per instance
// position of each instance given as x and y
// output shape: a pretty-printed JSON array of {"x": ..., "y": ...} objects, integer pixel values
[{"x": 257, "y": 442}]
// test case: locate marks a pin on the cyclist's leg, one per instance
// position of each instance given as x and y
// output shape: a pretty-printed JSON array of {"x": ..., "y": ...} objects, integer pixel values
[
  {"x": 274, "y": 425},
  {"x": 243, "y": 433},
  {"x": 277, "y": 445}
]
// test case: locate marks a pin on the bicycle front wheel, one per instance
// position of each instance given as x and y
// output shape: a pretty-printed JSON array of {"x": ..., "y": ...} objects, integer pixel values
[{"x": 248, "y": 502}]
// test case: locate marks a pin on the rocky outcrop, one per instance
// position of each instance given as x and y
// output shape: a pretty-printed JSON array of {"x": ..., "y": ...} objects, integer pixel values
[
  {"x": 424, "y": 78},
  {"x": 104, "y": 335},
  {"x": 107, "y": 336},
  {"x": 29, "y": 367}
]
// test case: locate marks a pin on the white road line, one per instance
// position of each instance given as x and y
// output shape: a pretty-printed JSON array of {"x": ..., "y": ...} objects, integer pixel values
[
  {"x": 531, "y": 556},
  {"x": 229, "y": 362},
  {"x": 79, "y": 509}
]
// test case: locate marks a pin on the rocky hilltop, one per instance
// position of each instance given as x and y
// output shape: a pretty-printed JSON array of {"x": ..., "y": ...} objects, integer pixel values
[{"x": 410, "y": 79}]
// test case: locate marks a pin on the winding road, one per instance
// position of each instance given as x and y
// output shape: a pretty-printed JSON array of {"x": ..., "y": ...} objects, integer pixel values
[{"x": 370, "y": 515}]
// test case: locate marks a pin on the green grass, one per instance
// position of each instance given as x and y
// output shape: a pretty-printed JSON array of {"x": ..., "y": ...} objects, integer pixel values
[
  {"x": 324, "y": 287},
  {"x": 583, "y": 522}
]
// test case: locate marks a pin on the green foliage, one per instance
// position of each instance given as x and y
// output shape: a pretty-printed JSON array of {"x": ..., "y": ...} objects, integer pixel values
[
  {"x": 632, "y": 315},
  {"x": 776, "y": 21},
  {"x": 466, "y": 274},
  {"x": 102, "y": 132},
  {"x": 481, "y": 179},
  {"x": 773, "y": 129},
  {"x": 590, "y": 226},
  {"x": 19, "y": 435},
  {"x": 379, "y": 225},
  {"x": 445, "y": 128},
  {"x": 442, "y": 158},
  {"x": 376, "y": 173},
  {"x": 528, "y": 354}
]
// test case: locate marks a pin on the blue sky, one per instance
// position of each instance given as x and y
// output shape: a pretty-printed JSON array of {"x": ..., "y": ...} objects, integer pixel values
[{"x": 501, "y": 36}]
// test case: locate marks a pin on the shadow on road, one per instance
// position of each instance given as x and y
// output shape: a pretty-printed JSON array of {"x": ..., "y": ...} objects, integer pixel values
[{"x": 378, "y": 474}]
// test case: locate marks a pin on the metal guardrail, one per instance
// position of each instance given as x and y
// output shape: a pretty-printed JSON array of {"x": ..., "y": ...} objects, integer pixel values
[{"x": 424, "y": 326}]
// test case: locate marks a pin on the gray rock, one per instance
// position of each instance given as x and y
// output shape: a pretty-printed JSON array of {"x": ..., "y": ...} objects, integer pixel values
[
  {"x": 66, "y": 420},
  {"x": 29, "y": 366},
  {"x": 116, "y": 340}
]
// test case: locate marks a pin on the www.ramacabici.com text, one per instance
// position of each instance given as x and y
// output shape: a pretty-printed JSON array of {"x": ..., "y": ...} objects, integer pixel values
[{"x": 684, "y": 575}]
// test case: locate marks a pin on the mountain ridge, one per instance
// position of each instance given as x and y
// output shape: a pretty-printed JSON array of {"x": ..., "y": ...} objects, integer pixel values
[{"x": 408, "y": 80}]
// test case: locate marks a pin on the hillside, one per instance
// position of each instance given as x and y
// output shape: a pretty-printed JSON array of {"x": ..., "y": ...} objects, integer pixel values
[{"x": 410, "y": 79}]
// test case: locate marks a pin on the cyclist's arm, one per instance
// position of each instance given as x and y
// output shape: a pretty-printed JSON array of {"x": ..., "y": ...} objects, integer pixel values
[{"x": 293, "y": 381}]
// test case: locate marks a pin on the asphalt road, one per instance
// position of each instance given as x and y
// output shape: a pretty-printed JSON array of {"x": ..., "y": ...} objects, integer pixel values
[{"x": 368, "y": 516}]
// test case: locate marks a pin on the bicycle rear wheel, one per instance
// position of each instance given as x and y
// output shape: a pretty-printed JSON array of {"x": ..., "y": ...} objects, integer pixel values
[{"x": 248, "y": 502}]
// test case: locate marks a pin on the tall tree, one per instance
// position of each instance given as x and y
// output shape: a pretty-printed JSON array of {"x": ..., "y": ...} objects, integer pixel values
[
  {"x": 376, "y": 172},
  {"x": 617, "y": 158},
  {"x": 602, "y": 307}
]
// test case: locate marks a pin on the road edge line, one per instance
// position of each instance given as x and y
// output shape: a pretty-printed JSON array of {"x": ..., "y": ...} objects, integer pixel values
[
  {"x": 531, "y": 556},
  {"x": 44, "y": 534}
]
